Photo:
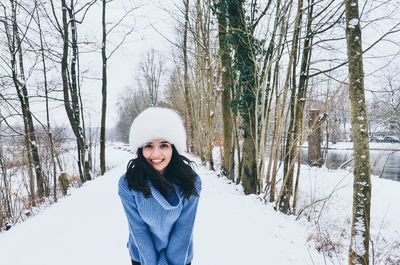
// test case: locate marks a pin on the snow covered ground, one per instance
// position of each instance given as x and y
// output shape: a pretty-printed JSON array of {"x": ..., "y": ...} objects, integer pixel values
[
  {"x": 326, "y": 196},
  {"x": 89, "y": 226}
]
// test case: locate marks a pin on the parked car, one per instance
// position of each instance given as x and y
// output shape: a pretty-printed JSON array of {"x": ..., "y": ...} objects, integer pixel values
[
  {"x": 391, "y": 139},
  {"x": 377, "y": 138}
]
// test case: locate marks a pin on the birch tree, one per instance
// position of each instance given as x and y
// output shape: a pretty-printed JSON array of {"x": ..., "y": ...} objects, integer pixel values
[{"x": 71, "y": 79}]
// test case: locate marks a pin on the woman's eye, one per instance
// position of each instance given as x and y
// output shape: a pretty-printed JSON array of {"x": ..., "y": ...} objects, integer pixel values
[
  {"x": 164, "y": 146},
  {"x": 147, "y": 146}
]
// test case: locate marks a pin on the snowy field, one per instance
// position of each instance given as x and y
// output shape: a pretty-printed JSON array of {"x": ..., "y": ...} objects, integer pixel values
[{"x": 89, "y": 226}]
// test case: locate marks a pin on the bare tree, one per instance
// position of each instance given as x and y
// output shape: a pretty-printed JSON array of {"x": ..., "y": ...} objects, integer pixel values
[
  {"x": 14, "y": 40},
  {"x": 103, "y": 90},
  {"x": 189, "y": 107},
  {"x": 151, "y": 74},
  {"x": 130, "y": 104},
  {"x": 105, "y": 58},
  {"x": 71, "y": 81}
]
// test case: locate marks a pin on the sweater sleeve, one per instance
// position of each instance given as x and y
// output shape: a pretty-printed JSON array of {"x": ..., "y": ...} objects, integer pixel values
[
  {"x": 137, "y": 227},
  {"x": 181, "y": 234}
]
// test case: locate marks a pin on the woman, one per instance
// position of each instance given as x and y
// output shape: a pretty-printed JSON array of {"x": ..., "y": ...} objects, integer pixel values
[{"x": 159, "y": 191}]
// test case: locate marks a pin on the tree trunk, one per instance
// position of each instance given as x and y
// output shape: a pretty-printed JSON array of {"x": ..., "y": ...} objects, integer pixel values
[
  {"x": 104, "y": 95},
  {"x": 22, "y": 92},
  {"x": 267, "y": 97},
  {"x": 49, "y": 132},
  {"x": 314, "y": 139},
  {"x": 286, "y": 192},
  {"x": 189, "y": 109},
  {"x": 272, "y": 169},
  {"x": 6, "y": 201},
  {"x": 243, "y": 43},
  {"x": 360, "y": 228},
  {"x": 71, "y": 102},
  {"x": 301, "y": 97},
  {"x": 76, "y": 100},
  {"x": 226, "y": 82}
]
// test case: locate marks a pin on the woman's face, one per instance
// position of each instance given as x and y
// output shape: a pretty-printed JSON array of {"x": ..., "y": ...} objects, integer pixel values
[{"x": 158, "y": 153}]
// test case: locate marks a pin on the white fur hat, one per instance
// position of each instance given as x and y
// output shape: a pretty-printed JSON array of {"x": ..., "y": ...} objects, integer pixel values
[{"x": 158, "y": 123}]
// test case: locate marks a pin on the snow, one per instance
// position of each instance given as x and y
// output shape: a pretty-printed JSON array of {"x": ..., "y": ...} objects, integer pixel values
[
  {"x": 89, "y": 226},
  {"x": 353, "y": 23},
  {"x": 236, "y": 229},
  {"x": 358, "y": 241}
]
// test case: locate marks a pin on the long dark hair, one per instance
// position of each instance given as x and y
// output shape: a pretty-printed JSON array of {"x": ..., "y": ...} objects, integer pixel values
[{"x": 179, "y": 171}]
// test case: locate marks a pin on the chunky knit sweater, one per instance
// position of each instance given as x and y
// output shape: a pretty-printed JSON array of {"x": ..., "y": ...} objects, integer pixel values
[{"x": 160, "y": 229}]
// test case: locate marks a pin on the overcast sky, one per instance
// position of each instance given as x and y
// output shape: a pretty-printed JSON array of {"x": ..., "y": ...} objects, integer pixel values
[{"x": 123, "y": 65}]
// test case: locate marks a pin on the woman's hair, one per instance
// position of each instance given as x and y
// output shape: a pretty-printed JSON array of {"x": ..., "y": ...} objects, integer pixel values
[{"x": 178, "y": 171}]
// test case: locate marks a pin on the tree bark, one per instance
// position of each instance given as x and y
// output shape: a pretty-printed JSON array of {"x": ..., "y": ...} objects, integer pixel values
[
  {"x": 301, "y": 98},
  {"x": 314, "y": 139},
  {"x": 226, "y": 82},
  {"x": 22, "y": 92},
  {"x": 46, "y": 91},
  {"x": 272, "y": 169},
  {"x": 243, "y": 43},
  {"x": 360, "y": 228},
  {"x": 267, "y": 94},
  {"x": 71, "y": 101},
  {"x": 286, "y": 192},
  {"x": 189, "y": 109},
  {"x": 104, "y": 94}
]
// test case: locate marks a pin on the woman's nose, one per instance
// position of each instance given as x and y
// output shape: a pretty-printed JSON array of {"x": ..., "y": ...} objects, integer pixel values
[{"x": 157, "y": 150}]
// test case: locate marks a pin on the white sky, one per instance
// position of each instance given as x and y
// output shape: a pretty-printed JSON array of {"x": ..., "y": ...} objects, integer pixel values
[{"x": 123, "y": 65}]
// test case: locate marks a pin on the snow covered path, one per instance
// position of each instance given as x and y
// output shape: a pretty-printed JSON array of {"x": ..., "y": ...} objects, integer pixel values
[
  {"x": 89, "y": 227},
  {"x": 239, "y": 230}
]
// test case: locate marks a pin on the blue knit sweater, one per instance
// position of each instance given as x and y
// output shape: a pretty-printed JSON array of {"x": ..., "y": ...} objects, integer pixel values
[{"x": 160, "y": 229}]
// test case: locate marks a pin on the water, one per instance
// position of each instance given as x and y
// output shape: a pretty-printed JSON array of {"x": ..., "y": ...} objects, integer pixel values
[{"x": 384, "y": 163}]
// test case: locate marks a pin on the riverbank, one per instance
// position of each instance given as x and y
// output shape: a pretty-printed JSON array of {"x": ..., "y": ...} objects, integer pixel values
[
  {"x": 349, "y": 146},
  {"x": 384, "y": 158}
]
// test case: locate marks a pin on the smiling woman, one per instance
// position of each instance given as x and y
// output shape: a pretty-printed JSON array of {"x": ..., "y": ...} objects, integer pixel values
[{"x": 159, "y": 191}]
